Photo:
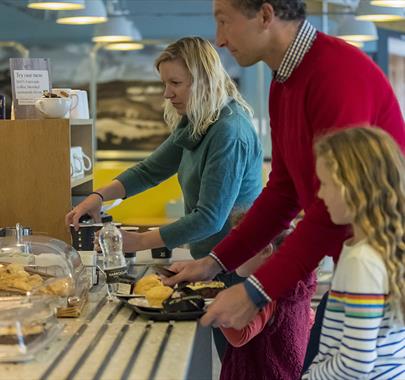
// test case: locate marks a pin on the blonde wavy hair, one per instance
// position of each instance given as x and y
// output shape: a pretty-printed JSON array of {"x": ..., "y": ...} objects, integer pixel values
[
  {"x": 370, "y": 168},
  {"x": 211, "y": 85}
]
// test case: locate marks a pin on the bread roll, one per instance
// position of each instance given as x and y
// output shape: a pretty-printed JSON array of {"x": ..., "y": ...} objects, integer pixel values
[
  {"x": 157, "y": 295},
  {"x": 146, "y": 283}
]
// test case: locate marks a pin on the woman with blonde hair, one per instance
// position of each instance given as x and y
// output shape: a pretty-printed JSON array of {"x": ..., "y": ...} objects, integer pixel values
[
  {"x": 362, "y": 183},
  {"x": 212, "y": 147}
]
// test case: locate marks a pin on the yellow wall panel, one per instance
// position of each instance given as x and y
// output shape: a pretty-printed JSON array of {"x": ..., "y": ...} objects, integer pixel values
[{"x": 144, "y": 208}]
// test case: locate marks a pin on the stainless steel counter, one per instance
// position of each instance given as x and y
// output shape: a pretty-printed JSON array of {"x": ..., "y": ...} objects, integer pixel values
[{"x": 109, "y": 341}]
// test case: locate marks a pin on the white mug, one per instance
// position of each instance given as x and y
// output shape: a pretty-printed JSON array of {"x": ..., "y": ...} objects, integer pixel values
[
  {"x": 74, "y": 98},
  {"x": 80, "y": 106},
  {"x": 80, "y": 110},
  {"x": 79, "y": 162}
]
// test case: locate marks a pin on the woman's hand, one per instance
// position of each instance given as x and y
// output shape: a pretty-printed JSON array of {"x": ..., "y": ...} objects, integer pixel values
[
  {"x": 91, "y": 205},
  {"x": 197, "y": 270}
]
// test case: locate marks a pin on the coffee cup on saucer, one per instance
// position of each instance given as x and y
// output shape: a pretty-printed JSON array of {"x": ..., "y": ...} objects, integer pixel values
[{"x": 53, "y": 108}]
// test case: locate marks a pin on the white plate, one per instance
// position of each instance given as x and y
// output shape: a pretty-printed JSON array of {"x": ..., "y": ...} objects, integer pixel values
[
  {"x": 208, "y": 301},
  {"x": 142, "y": 302}
]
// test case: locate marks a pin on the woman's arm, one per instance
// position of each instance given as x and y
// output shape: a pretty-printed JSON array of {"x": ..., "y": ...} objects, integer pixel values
[
  {"x": 138, "y": 241},
  {"x": 92, "y": 204},
  {"x": 160, "y": 165},
  {"x": 112, "y": 191}
]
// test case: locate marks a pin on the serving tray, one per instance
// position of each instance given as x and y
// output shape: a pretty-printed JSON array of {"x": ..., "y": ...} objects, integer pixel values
[{"x": 163, "y": 316}]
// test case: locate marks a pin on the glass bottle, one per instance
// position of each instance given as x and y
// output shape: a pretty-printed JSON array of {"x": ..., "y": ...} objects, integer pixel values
[{"x": 110, "y": 240}]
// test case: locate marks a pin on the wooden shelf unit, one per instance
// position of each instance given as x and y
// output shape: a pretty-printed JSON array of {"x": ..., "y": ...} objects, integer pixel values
[{"x": 36, "y": 189}]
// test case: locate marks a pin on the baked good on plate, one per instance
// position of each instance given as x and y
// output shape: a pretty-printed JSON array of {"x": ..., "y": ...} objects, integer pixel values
[
  {"x": 183, "y": 302},
  {"x": 207, "y": 289},
  {"x": 156, "y": 295},
  {"x": 146, "y": 283}
]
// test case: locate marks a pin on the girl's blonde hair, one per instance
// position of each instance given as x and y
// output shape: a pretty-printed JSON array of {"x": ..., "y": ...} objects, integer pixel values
[
  {"x": 370, "y": 168},
  {"x": 211, "y": 85}
]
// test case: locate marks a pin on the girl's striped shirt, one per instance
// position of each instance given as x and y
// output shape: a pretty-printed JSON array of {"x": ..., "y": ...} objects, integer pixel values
[{"x": 360, "y": 337}]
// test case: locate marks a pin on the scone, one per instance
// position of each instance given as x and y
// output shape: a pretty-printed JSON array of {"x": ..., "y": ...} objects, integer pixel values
[
  {"x": 9, "y": 335},
  {"x": 157, "y": 295},
  {"x": 58, "y": 286},
  {"x": 146, "y": 283}
]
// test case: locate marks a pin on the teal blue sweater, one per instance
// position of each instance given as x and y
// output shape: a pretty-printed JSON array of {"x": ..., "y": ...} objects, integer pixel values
[{"x": 220, "y": 171}]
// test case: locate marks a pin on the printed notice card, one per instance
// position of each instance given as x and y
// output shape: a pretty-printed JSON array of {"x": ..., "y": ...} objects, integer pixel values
[{"x": 30, "y": 77}]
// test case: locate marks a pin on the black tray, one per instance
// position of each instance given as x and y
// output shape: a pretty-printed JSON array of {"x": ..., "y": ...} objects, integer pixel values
[{"x": 163, "y": 316}]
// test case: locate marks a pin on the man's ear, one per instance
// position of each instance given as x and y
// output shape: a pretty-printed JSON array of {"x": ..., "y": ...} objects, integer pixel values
[{"x": 267, "y": 14}]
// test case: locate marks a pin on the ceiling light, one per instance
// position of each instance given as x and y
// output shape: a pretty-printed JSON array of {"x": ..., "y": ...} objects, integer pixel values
[
  {"x": 368, "y": 12},
  {"x": 94, "y": 13},
  {"x": 136, "y": 34},
  {"x": 116, "y": 29},
  {"x": 358, "y": 44},
  {"x": 389, "y": 3},
  {"x": 56, "y": 4},
  {"x": 124, "y": 46},
  {"x": 351, "y": 29}
]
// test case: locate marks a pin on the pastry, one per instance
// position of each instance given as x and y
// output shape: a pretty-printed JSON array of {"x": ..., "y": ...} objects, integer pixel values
[
  {"x": 207, "y": 289},
  {"x": 14, "y": 279},
  {"x": 156, "y": 295},
  {"x": 58, "y": 286},
  {"x": 10, "y": 334},
  {"x": 146, "y": 283}
]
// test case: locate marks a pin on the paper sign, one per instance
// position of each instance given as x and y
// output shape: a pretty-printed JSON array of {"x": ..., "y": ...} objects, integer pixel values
[
  {"x": 29, "y": 85},
  {"x": 29, "y": 78}
]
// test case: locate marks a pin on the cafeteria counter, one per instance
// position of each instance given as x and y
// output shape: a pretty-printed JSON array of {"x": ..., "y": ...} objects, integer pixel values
[{"x": 110, "y": 341}]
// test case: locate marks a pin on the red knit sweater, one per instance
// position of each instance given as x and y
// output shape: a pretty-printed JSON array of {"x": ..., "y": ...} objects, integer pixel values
[{"x": 335, "y": 85}]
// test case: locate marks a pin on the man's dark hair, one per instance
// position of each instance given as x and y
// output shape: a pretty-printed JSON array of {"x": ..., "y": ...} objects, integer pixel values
[{"x": 287, "y": 10}]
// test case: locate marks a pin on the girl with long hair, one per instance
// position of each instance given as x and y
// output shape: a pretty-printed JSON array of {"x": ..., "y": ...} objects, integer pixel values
[{"x": 362, "y": 183}]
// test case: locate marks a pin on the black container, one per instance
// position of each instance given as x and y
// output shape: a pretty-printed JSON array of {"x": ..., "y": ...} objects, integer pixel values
[
  {"x": 83, "y": 239},
  {"x": 161, "y": 253}
]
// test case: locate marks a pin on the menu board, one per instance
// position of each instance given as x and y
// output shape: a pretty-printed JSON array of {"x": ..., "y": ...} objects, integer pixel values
[{"x": 30, "y": 77}]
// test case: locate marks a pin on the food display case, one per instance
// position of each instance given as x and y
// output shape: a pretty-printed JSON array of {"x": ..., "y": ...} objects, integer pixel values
[
  {"x": 111, "y": 341},
  {"x": 38, "y": 265},
  {"x": 27, "y": 324}
]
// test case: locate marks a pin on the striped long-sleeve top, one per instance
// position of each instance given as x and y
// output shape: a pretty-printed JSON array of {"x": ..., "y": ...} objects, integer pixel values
[{"x": 360, "y": 338}]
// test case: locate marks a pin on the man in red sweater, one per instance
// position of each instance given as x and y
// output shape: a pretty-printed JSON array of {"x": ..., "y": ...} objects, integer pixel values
[{"x": 319, "y": 83}]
